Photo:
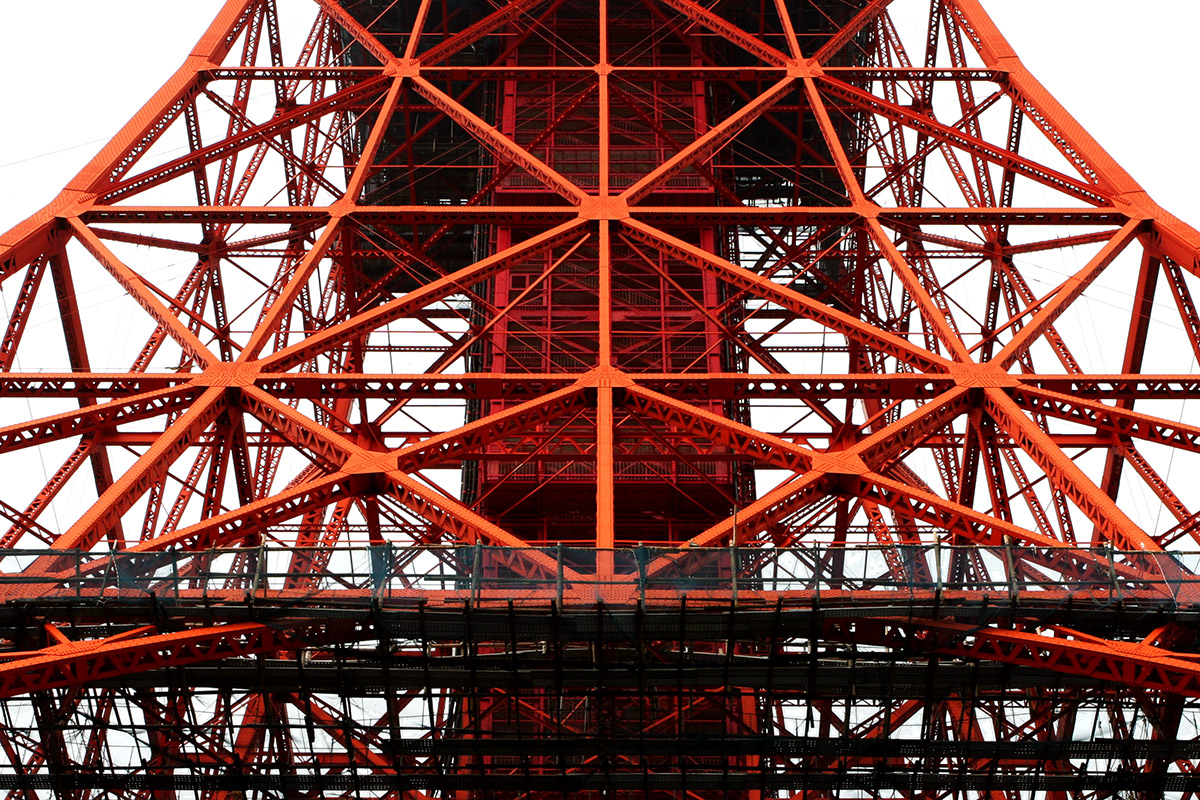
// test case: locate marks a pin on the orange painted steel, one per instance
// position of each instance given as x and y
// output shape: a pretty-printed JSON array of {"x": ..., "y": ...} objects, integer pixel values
[{"x": 609, "y": 398}]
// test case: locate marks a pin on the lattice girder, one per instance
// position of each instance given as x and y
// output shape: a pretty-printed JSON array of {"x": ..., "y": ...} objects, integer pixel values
[{"x": 392, "y": 331}]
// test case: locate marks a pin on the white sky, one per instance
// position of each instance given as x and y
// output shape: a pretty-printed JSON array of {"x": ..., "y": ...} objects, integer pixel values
[{"x": 73, "y": 71}]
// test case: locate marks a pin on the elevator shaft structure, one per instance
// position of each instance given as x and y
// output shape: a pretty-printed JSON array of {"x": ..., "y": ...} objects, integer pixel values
[{"x": 600, "y": 398}]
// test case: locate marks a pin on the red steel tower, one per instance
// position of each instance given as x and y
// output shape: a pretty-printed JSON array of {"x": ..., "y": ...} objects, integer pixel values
[{"x": 600, "y": 398}]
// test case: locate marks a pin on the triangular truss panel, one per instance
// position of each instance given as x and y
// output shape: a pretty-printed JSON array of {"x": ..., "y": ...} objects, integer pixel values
[{"x": 600, "y": 398}]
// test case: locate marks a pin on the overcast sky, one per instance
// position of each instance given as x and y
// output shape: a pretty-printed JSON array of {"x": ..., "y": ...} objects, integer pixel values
[{"x": 73, "y": 71}]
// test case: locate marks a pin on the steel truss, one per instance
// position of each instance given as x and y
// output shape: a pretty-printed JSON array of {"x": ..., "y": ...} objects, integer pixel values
[{"x": 600, "y": 398}]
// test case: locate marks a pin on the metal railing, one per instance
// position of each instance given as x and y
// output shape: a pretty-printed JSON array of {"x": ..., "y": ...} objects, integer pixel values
[{"x": 487, "y": 575}]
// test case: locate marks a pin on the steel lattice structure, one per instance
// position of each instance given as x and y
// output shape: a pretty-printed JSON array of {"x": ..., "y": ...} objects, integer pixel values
[{"x": 600, "y": 398}]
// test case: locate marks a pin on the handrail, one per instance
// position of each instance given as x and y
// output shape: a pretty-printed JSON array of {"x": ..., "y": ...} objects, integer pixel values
[{"x": 480, "y": 574}]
